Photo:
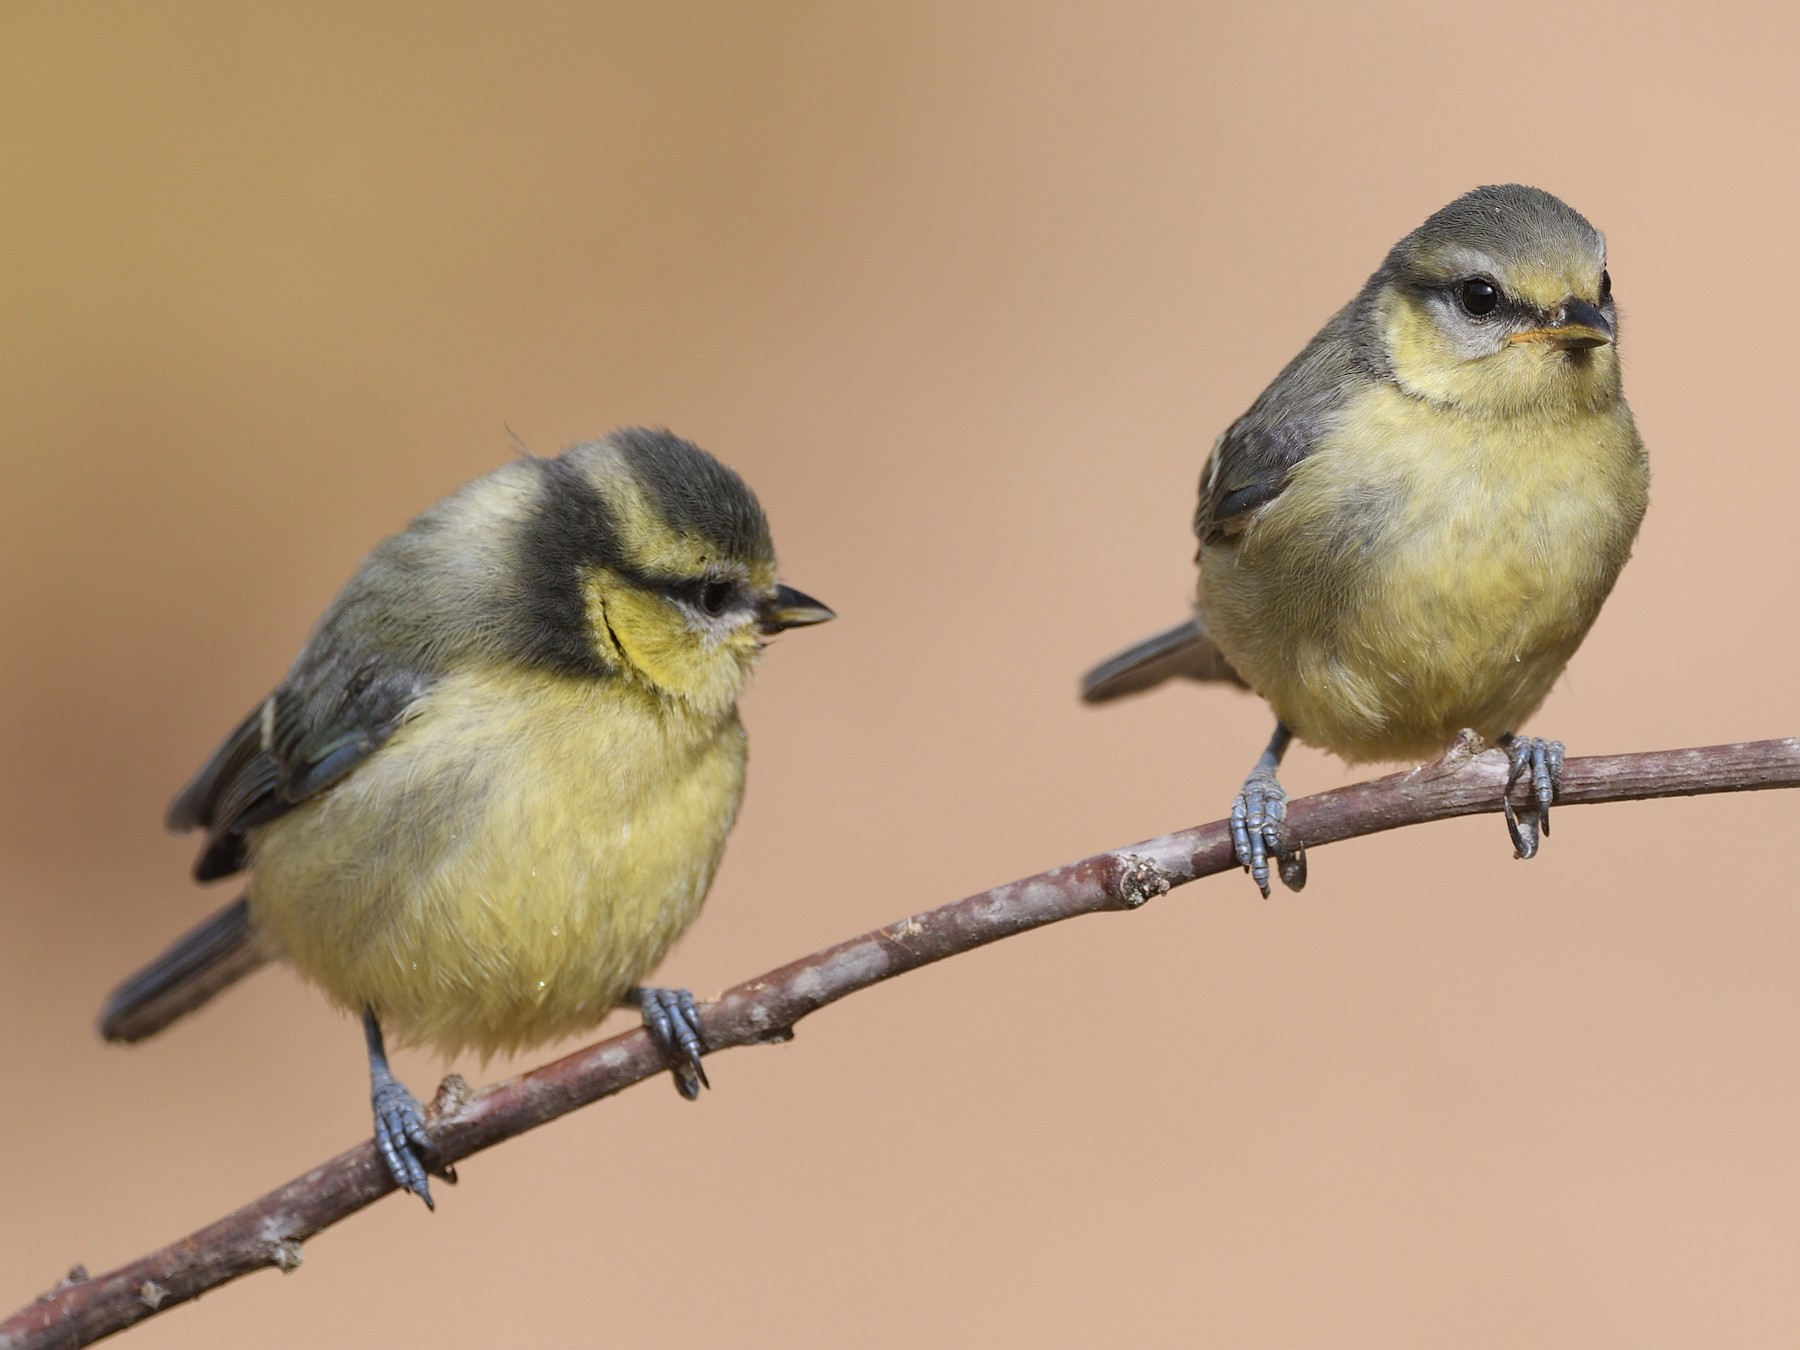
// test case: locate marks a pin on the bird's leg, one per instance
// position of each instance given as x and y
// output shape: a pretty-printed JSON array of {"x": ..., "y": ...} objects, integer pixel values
[
  {"x": 399, "y": 1123},
  {"x": 1543, "y": 760},
  {"x": 674, "y": 1022},
  {"x": 1257, "y": 816}
]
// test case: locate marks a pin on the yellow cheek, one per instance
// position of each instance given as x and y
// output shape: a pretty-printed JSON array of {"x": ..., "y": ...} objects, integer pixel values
[
  {"x": 1422, "y": 363},
  {"x": 1518, "y": 378},
  {"x": 652, "y": 641}
]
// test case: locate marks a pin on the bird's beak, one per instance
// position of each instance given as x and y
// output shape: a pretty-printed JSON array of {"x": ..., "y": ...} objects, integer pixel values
[
  {"x": 789, "y": 608},
  {"x": 1578, "y": 327}
]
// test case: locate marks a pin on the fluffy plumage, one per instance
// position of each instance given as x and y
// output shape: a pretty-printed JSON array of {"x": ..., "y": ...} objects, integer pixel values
[
  {"x": 494, "y": 787},
  {"x": 1412, "y": 529}
]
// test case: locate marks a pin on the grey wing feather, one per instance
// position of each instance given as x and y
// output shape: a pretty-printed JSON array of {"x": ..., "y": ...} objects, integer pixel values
[
  {"x": 328, "y": 717},
  {"x": 421, "y": 601},
  {"x": 1182, "y": 652},
  {"x": 1250, "y": 464},
  {"x": 232, "y": 767},
  {"x": 1248, "y": 468},
  {"x": 408, "y": 614}
]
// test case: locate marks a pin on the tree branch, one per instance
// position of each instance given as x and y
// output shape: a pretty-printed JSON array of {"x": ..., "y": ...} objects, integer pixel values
[{"x": 269, "y": 1231}]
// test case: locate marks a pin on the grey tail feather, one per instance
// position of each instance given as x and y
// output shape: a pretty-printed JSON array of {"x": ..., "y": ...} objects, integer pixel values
[
  {"x": 219, "y": 952},
  {"x": 1185, "y": 651}
]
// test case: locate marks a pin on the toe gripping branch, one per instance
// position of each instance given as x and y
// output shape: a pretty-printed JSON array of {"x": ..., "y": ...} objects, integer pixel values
[
  {"x": 1258, "y": 815},
  {"x": 400, "y": 1135},
  {"x": 1543, "y": 761},
  {"x": 670, "y": 1015},
  {"x": 673, "y": 1020}
]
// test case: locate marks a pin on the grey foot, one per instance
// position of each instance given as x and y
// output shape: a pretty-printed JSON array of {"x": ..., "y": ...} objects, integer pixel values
[
  {"x": 1543, "y": 760},
  {"x": 671, "y": 1017},
  {"x": 400, "y": 1137},
  {"x": 1257, "y": 816}
]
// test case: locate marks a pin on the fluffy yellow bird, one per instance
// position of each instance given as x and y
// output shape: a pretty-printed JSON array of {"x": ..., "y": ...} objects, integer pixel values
[
  {"x": 493, "y": 789},
  {"x": 1412, "y": 529}
]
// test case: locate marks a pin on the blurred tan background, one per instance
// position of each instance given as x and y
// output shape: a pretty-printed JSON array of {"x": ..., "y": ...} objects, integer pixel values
[{"x": 965, "y": 291}]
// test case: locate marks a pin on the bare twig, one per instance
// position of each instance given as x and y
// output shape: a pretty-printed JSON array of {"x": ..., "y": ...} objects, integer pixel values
[{"x": 269, "y": 1231}]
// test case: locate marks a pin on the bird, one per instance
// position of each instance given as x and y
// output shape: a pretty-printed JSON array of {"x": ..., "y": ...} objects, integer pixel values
[
  {"x": 494, "y": 787},
  {"x": 1414, "y": 526}
]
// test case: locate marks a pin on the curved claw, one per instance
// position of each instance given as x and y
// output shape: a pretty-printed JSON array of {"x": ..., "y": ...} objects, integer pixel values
[
  {"x": 401, "y": 1139},
  {"x": 671, "y": 1016},
  {"x": 1257, "y": 816},
  {"x": 1543, "y": 761},
  {"x": 1293, "y": 867}
]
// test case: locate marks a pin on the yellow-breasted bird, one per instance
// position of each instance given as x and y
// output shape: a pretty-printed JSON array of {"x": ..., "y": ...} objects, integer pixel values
[
  {"x": 493, "y": 789},
  {"x": 1413, "y": 528}
]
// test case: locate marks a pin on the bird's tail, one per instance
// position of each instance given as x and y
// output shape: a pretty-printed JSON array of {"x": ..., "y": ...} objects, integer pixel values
[
  {"x": 1186, "y": 651},
  {"x": 220, "y": 952}
]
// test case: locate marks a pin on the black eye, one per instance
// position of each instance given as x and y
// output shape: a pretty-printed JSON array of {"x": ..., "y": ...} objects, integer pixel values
[
  {"x": 714, "y": 596},
  {"x": 1479, "y": 296},
  {"x": 1605, "y": 287}
]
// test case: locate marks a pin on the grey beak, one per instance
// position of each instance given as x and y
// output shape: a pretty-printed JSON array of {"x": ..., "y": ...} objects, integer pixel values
[
  {"x": 792, "y": 609},
  {"x": 1581, "y": 326}
]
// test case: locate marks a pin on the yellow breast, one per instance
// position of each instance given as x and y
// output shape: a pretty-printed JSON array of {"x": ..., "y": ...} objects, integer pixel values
[
  {"x": 521, "y": 852},
  {"x": 1426, "y": 571}
]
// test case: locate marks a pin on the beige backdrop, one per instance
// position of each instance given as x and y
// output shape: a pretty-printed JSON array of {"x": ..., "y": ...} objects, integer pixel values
[{"x": 965, "y": 291}]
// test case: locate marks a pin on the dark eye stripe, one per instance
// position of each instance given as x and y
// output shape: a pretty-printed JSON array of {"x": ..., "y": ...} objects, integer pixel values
[{"x": 709, "y": 595}]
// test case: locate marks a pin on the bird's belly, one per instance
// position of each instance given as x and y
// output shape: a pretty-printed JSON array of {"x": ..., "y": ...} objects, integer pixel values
[
  {"x": 1386, "y": 601},
  {"x": 490, "y": 880},
  {"x": 1468, "y": 626}
]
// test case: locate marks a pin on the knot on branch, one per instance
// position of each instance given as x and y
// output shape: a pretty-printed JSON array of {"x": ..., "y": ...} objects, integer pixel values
[
  {"x": 1139, "y": 880},
  {"x": 453, "y": 1094},
  {"x": 77, "y": 1274}
]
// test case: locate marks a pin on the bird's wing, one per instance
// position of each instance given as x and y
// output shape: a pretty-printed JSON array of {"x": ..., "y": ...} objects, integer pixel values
[
  {"x": 1250, "y": 464},
  {"x": 312, "y": 731}
]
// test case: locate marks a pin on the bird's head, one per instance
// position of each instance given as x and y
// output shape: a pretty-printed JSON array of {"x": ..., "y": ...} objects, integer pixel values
[
  {"x": 646, "y": 559},
  {"x": 1500, "y": 304}
]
